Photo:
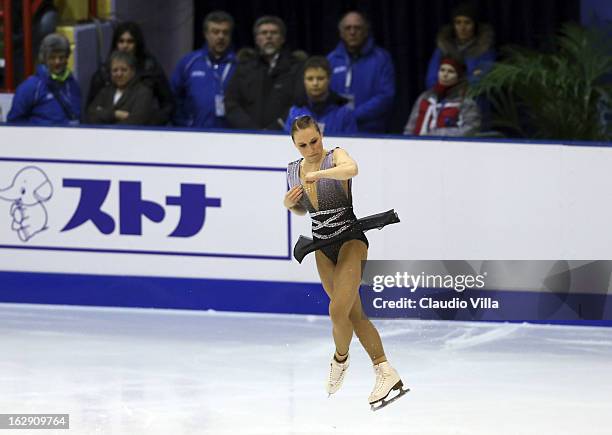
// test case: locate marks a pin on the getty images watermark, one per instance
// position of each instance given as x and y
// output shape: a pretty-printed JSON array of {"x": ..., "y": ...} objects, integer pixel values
[
  {"x": 515, "y": 290},
  {"x": 411, "y": 283}
]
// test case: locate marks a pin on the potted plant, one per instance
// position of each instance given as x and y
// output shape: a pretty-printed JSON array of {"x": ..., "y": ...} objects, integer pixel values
[{"x": 563, "y": 94}]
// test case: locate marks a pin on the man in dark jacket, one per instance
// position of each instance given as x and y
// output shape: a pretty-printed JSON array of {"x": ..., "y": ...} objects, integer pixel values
[
  {"x": 265, "y": 85},
  {"x": 363, "y": 73}
]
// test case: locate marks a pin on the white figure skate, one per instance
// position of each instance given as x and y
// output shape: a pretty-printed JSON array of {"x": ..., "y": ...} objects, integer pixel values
[
  {"x": 336, "y": 375},
  {"x": 388, "y": 388}
]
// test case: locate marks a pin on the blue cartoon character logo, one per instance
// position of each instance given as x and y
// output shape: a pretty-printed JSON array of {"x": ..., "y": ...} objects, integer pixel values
[{"x": 28, "y": 191}]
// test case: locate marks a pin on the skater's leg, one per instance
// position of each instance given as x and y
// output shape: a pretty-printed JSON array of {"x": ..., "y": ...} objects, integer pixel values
[
  {"x": 367, "y": 333},
  {"x": 340, "y": 362},
  {"x": 347, "y": 278},
  {"x": 326, "y": 267}
]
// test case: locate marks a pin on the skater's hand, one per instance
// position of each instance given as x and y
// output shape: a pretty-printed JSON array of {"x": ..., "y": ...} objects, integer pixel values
[
  {"x": 292, "y": 197},
  {"x": 311, "y": 177}
]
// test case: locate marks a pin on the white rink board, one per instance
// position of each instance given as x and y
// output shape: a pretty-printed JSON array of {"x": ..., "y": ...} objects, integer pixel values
[
  {"x": 158, "y": 183},
  {"x": 457, "y": 200}
]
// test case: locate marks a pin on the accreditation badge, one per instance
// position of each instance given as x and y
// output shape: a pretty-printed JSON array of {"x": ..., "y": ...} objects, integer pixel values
[{"x": 219, "y": 105}]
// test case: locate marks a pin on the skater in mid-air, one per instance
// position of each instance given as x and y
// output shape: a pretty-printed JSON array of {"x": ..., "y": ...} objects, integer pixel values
[{"x": 320, "y": 184}]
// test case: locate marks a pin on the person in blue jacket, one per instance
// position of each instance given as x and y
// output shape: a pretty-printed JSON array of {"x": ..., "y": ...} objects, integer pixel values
[
  {"x": 467, "y": 39},
  {"x": 200, "y": 79},
  {"x": 326, "y": 107},
  {"x": 363, "y": 72},
  {"x": 51, "y": 95}
]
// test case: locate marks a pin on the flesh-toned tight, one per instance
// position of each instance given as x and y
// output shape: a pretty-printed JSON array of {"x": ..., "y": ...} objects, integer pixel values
[{"x": 341, "y": 283}]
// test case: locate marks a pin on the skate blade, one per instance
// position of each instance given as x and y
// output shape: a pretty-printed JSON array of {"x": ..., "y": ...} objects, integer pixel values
[{"x": 380, "y": 404}]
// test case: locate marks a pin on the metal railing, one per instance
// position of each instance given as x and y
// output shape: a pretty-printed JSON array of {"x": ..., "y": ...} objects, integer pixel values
[
  {"x": 7, "y": 30},
  {"x": 30, "y": 7}
]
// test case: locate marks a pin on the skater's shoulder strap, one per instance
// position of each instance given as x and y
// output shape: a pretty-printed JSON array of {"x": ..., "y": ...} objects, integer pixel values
[{"x": 293, "y": 173}]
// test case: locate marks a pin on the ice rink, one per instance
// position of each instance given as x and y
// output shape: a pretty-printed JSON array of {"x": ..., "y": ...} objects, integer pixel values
[{"x": 138, "y": 371}]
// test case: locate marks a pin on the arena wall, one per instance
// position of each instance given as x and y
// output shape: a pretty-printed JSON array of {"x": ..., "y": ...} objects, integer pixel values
[{"x": 184, "y": 219}]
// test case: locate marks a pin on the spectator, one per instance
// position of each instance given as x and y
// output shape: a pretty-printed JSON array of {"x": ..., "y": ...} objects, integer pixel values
[
  {"x": 444, "y": 110},
  {"x": 363, "y": 73},
  {"x": 326, "y": 107},
  {"x": 200, "y": 79},
  {"x": 465, "y": 38},
  {"x": 267, "y": 83},
  {"x": 126, "y": 100},
  {"x": 128, "y": 37},
  {"x": 51, "y": 95}
]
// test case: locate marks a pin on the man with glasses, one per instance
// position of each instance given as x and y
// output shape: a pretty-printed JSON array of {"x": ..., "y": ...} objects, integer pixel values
[
  {"x": 363, "y": 73},
  {"x": 265, "y": 85}
]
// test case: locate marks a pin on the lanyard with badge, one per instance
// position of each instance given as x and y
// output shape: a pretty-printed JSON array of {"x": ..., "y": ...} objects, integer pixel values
[
  {"x": 347, "y": 84},
  {"x": 219, "y": 101},
  {"x": 63, "y": 95}
]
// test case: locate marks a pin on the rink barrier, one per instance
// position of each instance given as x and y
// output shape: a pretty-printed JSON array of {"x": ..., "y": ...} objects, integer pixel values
[
  {"x": 281, "y": 297},
  {"x": 155, "y": 292},
  {"x": 457, "y": 198}
]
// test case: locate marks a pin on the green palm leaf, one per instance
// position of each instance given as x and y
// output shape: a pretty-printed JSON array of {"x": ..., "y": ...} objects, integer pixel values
[{"x": 557, "y": 95}]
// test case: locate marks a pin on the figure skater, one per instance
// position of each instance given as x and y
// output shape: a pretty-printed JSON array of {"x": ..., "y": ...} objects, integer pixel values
[{"x": 320, "y": 183}]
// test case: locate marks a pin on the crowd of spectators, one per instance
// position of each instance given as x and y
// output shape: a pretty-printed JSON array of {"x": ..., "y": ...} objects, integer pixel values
[{"x": 351, "y": 90}]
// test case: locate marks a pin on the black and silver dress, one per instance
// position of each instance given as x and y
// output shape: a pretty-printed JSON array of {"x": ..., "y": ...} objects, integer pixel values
[{"x": 335, "y": 216}]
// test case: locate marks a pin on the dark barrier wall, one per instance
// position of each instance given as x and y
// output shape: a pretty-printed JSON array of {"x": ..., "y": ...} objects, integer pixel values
[{"x": 406, "y": 28}]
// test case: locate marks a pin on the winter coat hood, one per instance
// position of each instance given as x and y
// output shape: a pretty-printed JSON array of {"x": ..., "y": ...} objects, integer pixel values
[{"x": 485, "y": 38}]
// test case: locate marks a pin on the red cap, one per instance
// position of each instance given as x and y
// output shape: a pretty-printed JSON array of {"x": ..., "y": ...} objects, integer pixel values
[{"x": 457, "y": 64}]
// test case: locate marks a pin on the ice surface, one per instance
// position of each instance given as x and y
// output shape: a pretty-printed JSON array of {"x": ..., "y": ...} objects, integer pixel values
[{"x": 130, "y": 371}]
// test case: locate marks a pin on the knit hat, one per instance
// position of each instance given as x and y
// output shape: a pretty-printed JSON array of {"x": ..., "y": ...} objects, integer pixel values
[
  {"x": 465, "y": 10},
  {"x": 455, "y": 63}
]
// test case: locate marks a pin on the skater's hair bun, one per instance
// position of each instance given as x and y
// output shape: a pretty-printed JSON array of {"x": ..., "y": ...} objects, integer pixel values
[{"x": 303, "y": 122}]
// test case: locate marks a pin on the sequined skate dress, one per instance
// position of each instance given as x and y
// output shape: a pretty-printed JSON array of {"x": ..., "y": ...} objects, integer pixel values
[{"x": 335, "y": 214}]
